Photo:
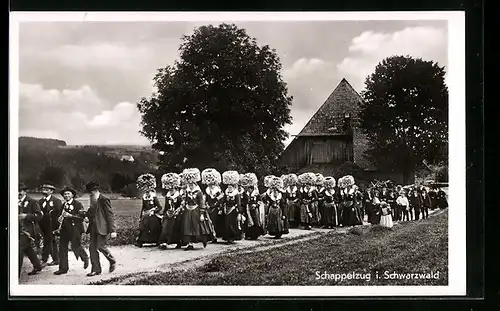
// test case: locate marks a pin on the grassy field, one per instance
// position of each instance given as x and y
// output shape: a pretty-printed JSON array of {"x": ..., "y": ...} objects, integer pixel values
[{"x": 411, "y": 248}]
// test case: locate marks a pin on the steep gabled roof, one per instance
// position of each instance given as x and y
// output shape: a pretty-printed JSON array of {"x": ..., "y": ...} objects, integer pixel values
[{"x": 329, "y": 119}]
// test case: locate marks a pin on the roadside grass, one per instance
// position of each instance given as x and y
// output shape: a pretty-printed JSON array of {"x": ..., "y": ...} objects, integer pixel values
[{"x": 413, "y": 247}]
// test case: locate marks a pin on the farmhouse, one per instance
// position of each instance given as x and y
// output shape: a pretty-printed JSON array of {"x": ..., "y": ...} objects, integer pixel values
[{"x": 332, "y": 137}]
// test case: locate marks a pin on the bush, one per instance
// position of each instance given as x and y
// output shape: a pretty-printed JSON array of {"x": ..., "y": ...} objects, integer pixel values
[
  {"x": 127, "y": 230},
  {"x": 131, "y": 191}
]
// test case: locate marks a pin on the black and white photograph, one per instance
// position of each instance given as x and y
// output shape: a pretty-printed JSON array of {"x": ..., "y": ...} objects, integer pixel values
[{"x": 237, "y": 154}]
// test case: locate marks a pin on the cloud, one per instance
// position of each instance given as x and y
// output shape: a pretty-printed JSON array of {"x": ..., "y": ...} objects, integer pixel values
[
  {"x": 102, "y": 55},
  {"x": 35, "y": 96},
  {"x": 65, "y": 114},
  {"x": 370, "y": 48},
  {"x": 310, "y": 81}
]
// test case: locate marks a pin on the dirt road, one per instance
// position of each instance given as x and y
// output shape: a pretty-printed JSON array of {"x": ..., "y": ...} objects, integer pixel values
[{"x": 131, "y": 259}]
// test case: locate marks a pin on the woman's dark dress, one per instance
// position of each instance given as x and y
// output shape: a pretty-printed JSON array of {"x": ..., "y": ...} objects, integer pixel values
[
  {"x": 251, "y": 208},
  {"x": 330, "y": 215},
  {"x": 308, "y": 205},
  {"x": 150, "y": 226},
  {"x": 376, "y": 211},
  {"x": 277, "y": 210},
  {"x": 368, "y": 203},
  {"x": 292, "y": 199},
  {"x": 434, "y": 199},
  {"x": 350, "y": 208},
  {"x": 231, "y": 208},
  {"x": 193, "y": 229},
  {"x": 442, "y": 202},
  {"x": 172, "y": 220},
  {"x": 318, "y": 216},
  {"x": 391, "y": 200},
  {"x": 213, "y": 203}
]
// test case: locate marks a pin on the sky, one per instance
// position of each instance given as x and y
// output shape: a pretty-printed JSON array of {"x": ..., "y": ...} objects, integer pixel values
[{"x": 80, "y": 81}]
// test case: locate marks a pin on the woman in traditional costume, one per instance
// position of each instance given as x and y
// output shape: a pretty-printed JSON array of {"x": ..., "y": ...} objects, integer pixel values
[
  {"x": 172, "y": 216},
  {"x": 442, "y": 201},
  {"x": 150, "y": 224},
  {"x": 193, "y": 219},
  {"x": 292, "y": 199},
  {"x": 277, "y": 224},
  {"x": 308, "y": 199},
  {"x": 232, "y": 207},
  {"x": 213, "y": 200},
  {"x": 350, "y": 208},
  {"x": 320, "y": 189},
  {"x": 330, "y": 219},
  {"x": 251, "y": 207},
  {"x": 391, "y": 200},
  {"x": 375, "y": 208}
]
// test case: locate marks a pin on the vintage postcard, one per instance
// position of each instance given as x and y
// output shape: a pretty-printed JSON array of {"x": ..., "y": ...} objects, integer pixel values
[{"x": 237, "y": 154}]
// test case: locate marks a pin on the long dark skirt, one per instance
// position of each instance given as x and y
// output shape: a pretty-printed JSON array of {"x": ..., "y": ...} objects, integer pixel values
[
  {"x": 191, "y": 227},
  {"x": 350, "y": 214},
  {"x": 369, "y": 211},
  {"x": 218, "y": 222},
  {"x": 257, "y": 228},
  {"x": 293, "y": 212},
  {"x": 304, "y": 216},
  {"x": 276, "y": 224},
  {"x": 207, "y": 228},
  {"x": 149, "y": 229},
  {"x": 315, "y": 210},
  {"x": 171, "y": 232},
  {"x": 330, "y": 216},
  {"x": 231, "y": 229}
]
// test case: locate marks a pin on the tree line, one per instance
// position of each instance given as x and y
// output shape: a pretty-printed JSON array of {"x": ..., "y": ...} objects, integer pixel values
[{"x": 41, "y": 161}]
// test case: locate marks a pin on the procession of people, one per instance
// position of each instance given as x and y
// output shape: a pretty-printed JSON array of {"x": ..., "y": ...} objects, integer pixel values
[{"x": 203, "y": 207}]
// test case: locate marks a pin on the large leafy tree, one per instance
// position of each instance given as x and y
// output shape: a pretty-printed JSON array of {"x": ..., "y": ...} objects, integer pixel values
[
  {"x": 405, "y": 114},
  {"x": 223, "y": 104}
]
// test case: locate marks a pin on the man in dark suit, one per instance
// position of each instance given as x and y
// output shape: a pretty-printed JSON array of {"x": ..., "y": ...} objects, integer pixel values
[
  {"x": 71, "y": 230},
  {"x": 101, "y": 223},
  {"x": 29, "y": 215},
  {"x": 426, "y": 203},
  {"x": 51, "y": 209}
]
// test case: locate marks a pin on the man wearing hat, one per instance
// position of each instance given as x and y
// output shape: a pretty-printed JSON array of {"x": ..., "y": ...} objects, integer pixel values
[
  {"x": 101, "y": 223},
  {"x": 29, "y": 215},
  {"x": 71, "y": 229},
  {"x": 51, "y": 209}
]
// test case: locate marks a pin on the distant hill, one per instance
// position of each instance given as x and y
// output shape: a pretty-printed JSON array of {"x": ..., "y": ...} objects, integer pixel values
[
  {"x": 41, "y": 159},
  {"x": 40, "y": 142}
]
